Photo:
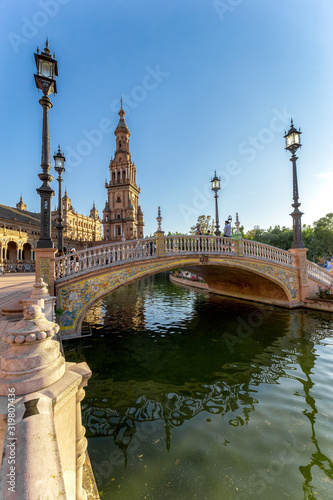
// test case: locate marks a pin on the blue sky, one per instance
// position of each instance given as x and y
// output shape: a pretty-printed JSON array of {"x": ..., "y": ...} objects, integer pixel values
[{"x": 207, "y": 85}]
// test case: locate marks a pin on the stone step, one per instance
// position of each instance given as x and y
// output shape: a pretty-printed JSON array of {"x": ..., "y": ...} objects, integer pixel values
[{"x": 15, "y": 306}]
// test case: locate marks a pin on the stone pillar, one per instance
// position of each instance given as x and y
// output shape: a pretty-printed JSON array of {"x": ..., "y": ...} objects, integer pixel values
[
  {"x": 44, "y": 429},
  {"x": 301, "y": 265},
  {"x": 160, "y": 244},
  {"x": 239, "y": 250},
  {"x": 45, "y": 267}
]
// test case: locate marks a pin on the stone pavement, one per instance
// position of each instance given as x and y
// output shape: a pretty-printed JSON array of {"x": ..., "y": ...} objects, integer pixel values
[{"x": 13, "y": 287}]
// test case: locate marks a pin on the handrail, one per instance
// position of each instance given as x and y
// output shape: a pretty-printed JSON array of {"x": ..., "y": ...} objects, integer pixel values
[
  {"x": 316, "y": 272},
  {"x": 110, "y": 255},
  {"x": 262, "y": 251},
  {"x": 117, "y": 253},
  {"x": 189, "y": 244}
]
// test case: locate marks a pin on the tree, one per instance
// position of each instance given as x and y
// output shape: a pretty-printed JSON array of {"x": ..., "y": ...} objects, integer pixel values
[
  {"x": 276, "y": 237},
  {"x": 323, "y": 236},
  {"x": 254, "y": 234},
  {"x": 206, "y": 224},
  {"x": 317, "y": 239}
]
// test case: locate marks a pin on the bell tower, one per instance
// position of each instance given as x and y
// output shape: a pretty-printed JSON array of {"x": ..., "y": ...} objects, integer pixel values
[{"x": 122, "y": 215}]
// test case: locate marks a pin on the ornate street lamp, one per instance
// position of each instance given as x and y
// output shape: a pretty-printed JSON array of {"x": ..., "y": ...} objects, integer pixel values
[
  {"x": 47, "y": 70},
  {"x": 59, "y": 167},
  {"x": 216, "y": 187},
  {"x": 292, "y": 144}
]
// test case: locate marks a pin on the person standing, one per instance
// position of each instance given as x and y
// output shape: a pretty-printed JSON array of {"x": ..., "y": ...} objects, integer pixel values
[{"x": 227, "y": 230}]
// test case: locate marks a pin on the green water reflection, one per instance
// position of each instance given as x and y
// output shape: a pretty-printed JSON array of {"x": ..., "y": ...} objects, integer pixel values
[{"x": 195, "y": 396}]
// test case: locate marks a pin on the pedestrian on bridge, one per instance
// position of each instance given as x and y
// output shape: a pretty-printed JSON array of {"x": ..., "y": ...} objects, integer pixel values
[{"x": 227, "y": 230}]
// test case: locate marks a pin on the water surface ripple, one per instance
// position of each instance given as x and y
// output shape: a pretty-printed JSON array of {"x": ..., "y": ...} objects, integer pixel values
[{"x": 196, "y": 396}]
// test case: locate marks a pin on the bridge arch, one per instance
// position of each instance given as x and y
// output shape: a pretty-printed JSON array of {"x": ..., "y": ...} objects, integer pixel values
[{"x": 228, "y": 275}]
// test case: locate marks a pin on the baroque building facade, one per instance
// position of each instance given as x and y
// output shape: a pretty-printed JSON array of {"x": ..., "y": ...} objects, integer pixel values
[
  {"x": 79, "y": 228},
  {"x": 20, "y": 229},
  {"x": 19, "y": 233},
  {"x": 122, "y": 215}
]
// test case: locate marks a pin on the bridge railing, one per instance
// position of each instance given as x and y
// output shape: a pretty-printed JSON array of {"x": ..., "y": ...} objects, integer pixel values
[
  {"x": 113, "y": 254},
  {"x": 316, "y": 272},
  {"x": 187, "y": 244},
  {"x": 258, "y": 250},
  {"x": 109, "y": 255}
]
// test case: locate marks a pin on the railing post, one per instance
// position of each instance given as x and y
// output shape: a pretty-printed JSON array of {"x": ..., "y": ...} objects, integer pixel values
[
  {"x": 301, "y": 265},
  {"x": 239, "y": 249},
  {"x": 160, "y": 246}
]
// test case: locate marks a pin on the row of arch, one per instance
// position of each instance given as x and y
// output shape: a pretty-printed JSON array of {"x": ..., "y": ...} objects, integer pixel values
[{"x": 17, "y": 256}]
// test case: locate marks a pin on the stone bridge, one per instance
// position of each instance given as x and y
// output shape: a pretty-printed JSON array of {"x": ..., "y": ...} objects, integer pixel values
[{"x": 234, "y": 267}]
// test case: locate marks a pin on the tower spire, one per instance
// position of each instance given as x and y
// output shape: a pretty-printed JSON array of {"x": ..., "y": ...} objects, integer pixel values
[
  {"x": 47, "y": 50},
  {"x": 121, "y": 124},
  {"x": 121, "y": 215}
]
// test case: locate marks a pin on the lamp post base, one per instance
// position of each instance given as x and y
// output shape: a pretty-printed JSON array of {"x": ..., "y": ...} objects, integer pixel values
[{"x": 45, "y": 266}]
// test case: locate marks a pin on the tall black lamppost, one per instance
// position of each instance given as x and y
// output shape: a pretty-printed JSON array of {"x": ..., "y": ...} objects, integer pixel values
[
  {"x": 292, "y": 144},
  {"x": 216, "y": 187},
  {"x": 59, "y": 167},
  {"x": 47, "y": 70}
]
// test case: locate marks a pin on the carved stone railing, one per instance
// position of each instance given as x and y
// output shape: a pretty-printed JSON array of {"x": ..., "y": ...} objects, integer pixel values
[
  {"x": 186, "y": 244},
  {"x": 110, "y": 255},
  {"x": 316, "y": 272},
  {"x": 115, "y": 254},
  {"x": 261, "y": 251}
]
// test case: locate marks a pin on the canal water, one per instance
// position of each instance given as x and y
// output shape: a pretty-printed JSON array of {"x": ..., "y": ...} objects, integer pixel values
[{"x": 196, "y": 396}]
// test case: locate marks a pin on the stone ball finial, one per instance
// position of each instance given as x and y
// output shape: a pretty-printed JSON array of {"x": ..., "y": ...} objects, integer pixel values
[{"x": 33, "y": 327}]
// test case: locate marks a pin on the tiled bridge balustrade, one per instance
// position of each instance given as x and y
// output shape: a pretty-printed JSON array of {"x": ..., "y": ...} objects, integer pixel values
[{"x": 234, "y": 267}]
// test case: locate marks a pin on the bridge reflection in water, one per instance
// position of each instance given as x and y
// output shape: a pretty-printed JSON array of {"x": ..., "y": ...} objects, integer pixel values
[{"x": 214, "y": 399}]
